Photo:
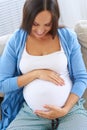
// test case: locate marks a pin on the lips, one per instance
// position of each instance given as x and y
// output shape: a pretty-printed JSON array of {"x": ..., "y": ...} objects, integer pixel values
[{"x": 40, "y": 34}]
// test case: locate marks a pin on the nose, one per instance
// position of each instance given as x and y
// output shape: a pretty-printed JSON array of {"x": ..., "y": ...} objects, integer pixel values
[{"x": 40, "y": 30}]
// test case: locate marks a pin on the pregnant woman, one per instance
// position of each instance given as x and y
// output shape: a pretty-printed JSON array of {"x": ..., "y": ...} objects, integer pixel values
[
  {"x": 42, "y": 73},
  {"x": 40, "y": 92}
]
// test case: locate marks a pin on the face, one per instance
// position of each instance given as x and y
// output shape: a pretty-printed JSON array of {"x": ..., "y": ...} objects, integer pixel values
[{"x": 42, "y": 24}]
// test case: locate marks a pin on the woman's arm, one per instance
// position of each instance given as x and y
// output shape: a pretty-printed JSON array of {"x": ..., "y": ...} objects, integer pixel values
[
  {"x": 43, "y": 74},
  {"x": 72, "y": 100},
  {"x": 8, "y": 67},
  {"x": 10, "y": 80},
  {"x": 78, "y": 69},
  {"x": 56, "y": 112}
]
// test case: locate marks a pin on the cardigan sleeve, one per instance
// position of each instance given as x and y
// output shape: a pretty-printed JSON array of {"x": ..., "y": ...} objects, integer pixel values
[
  {"x": 79, "y": 74},
  {"x": 8, "y": 67}
]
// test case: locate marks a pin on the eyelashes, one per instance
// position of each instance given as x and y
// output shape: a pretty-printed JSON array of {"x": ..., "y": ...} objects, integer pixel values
[{"x": 48, "y": 24}]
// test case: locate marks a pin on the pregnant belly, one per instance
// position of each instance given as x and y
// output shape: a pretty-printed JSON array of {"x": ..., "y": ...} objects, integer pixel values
[{"x": 40, "y": 92}]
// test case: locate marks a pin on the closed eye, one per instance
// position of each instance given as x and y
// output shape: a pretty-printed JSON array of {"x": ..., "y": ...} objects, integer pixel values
[
  {"x": 48, "y": 24},
  {"x": 35, "y": 24}
]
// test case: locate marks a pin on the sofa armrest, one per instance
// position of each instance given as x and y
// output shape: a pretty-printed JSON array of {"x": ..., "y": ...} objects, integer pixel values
[
  {"x": 3, "y": 41},
  {"x": 81, "y": 31}
]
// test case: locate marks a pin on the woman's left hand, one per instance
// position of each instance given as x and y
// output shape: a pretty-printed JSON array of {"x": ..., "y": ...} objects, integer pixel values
[{"x": 52, "y": 112}]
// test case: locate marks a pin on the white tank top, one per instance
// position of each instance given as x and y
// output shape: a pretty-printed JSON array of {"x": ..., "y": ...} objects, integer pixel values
[{"x": 40, "y": 92}]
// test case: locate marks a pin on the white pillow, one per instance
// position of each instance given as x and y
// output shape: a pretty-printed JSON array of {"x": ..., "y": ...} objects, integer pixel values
[
  {"x": 81, "y": 30},
  {"x": 3, "y": 41}
]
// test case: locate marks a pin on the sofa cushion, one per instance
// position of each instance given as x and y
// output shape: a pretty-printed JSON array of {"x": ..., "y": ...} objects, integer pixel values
[
  {"x": 81, "y": 30},
  {"x": 3, "y": 41}
]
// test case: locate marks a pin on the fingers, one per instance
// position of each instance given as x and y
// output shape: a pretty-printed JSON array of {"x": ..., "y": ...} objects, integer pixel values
[
  {"x": 51, "y": 112},
  {"x": 52, "y": 107},
  {"x": 51, "y": 76},
  {"x": 42, "y": 114},
  {"x": 45, "y": 114},
  {"x": 55, "y": 78}
]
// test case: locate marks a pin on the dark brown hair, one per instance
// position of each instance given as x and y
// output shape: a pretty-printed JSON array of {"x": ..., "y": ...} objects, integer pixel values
[{"x": 33, "y": 7}]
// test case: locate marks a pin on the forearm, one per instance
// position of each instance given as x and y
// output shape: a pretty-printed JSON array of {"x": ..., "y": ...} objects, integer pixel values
[
  {"x": 57, "y": 112},
  {"x": 43, "y": 74},
  {"x": 27, "y": 78},
  {"x": 72, "y": 100}
]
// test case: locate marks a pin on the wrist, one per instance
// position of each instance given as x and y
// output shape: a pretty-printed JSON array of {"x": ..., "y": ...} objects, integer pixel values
[
  {"x": 66, "y": 110},
  {"x": 36, "y": 74},
  {"x": 71, "y": 101}
]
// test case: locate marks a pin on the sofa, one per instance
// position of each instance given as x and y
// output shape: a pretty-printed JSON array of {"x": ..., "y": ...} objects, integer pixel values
[{"x": 80, "y": 29}]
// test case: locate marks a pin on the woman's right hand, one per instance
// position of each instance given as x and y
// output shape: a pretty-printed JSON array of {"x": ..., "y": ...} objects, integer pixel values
[
  {"x": 51, "y": 76},
  {"x": 44, "y": 74}
]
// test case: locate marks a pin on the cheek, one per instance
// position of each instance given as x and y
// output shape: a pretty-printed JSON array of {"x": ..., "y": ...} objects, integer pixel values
[
  {"x": 34, "y": 28},
  {"x": 48, "y": 29}
]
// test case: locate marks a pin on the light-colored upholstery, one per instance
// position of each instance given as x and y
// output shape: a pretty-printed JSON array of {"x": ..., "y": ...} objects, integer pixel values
[
  {"x": 3, "y": 41},
  {"x": 81, "y": 30}
]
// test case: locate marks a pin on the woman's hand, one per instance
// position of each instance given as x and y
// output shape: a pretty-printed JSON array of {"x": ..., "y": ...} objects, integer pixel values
[
  {"x": 51, "y": 76},
  {"x": 56, "y": 112},
  {"x": 52, "y": 112},
  {"x": 43, "y": 74}
]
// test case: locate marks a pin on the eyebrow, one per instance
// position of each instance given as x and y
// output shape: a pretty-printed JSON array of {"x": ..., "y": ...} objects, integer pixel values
[
  {"x": 45, "y": 23},
  {"x": 49, "y": 22}
]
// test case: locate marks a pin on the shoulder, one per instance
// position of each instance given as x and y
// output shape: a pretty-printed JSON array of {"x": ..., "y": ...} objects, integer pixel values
[
  {"x": 69, "y": 37},
  {"x": 18, "y": 34},
  {"x": 16, "y": 42},
  {"x": 17, "y": 38},
  {"x": 67, "y": 32}
]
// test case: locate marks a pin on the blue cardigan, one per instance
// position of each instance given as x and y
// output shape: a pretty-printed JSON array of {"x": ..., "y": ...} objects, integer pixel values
[{"x": 9, "y": 71}]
